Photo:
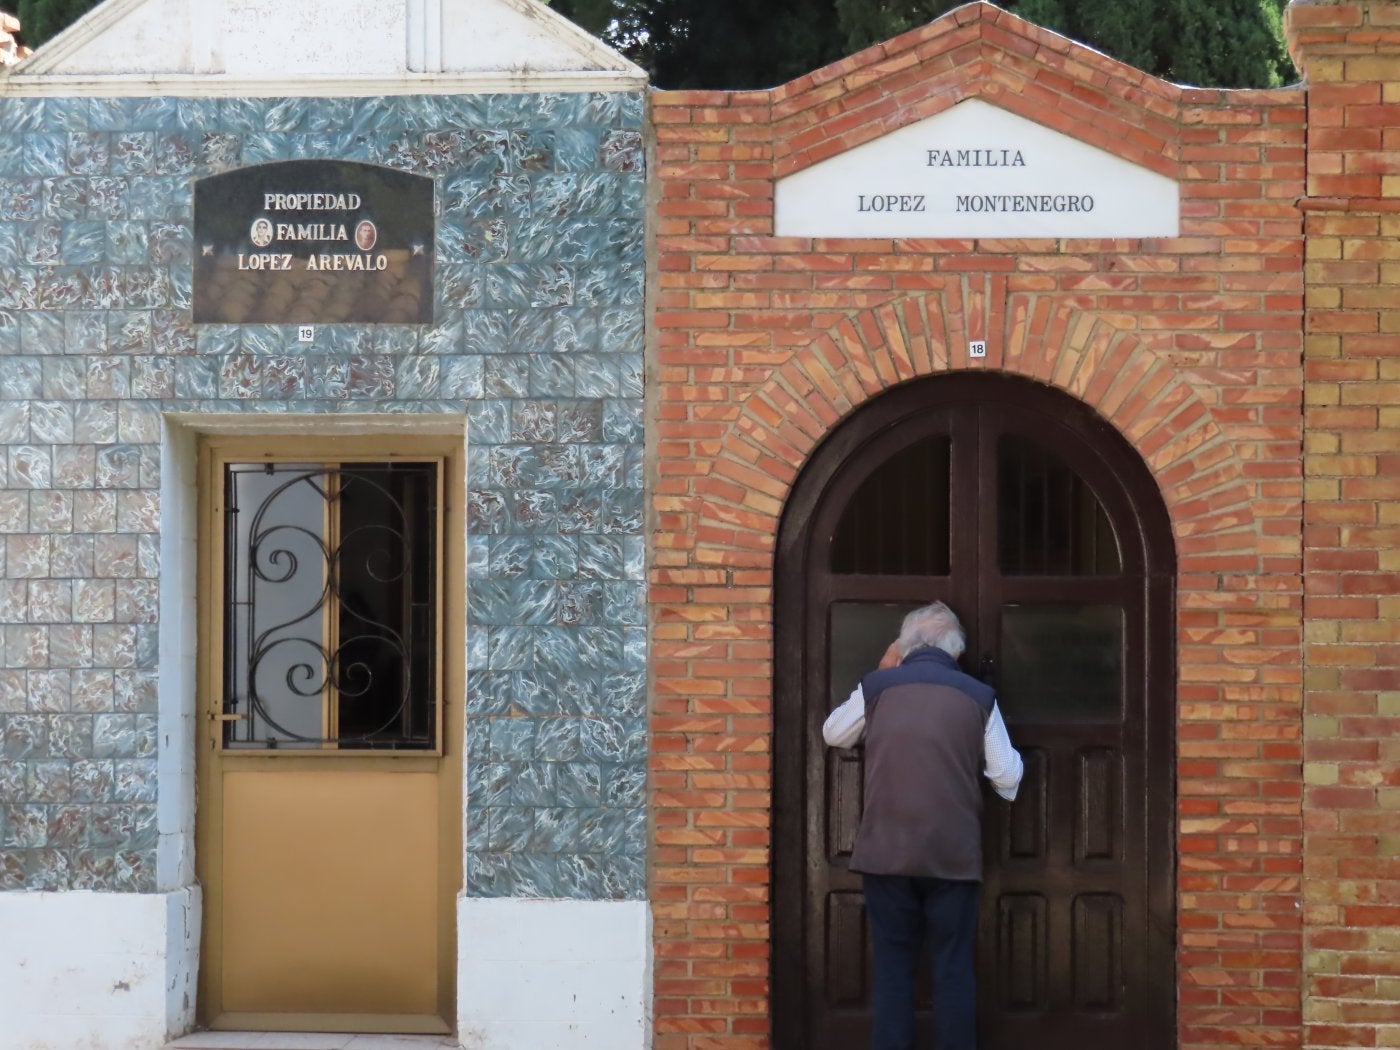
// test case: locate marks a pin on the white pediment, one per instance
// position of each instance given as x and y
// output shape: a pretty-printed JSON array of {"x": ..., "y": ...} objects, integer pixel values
[
  {"x": 322, "y": 47},
  {"x": 976, "y": 170}
]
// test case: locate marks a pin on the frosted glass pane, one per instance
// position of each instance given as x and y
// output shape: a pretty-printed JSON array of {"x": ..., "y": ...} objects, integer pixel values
[
  {"x": 1061, "y": 663},
  {"x": 860, "y": 634}
]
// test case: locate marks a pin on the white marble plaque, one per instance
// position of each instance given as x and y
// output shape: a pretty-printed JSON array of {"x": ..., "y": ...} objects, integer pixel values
[{"x": 976, "y": 170}]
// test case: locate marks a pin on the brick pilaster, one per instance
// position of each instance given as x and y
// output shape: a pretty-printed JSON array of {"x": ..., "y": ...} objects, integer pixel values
[{"x": 1350, "y": 54}]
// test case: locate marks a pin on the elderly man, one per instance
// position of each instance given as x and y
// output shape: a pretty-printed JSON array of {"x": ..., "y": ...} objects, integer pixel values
[{"x": 930, "y": 732}]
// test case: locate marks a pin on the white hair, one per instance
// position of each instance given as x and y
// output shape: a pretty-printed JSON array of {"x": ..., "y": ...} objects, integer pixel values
[{"x": 934, "y": 624}]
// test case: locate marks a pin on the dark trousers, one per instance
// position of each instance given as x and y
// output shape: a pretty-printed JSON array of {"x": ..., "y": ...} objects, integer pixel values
[{"x": 906, "y": 914}]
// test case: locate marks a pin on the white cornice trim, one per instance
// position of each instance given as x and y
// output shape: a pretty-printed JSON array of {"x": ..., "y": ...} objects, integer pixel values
[
  {"x": 568, "y": 33},
  {"x": 18, "y": 84},
  {"x": 423, "y": 24},
  {"x": 609, "y": 66}
]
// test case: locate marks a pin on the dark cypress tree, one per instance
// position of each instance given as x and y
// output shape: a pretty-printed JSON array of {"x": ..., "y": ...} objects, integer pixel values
[
  {"x": 742, "y": 43},
  {"x": 41, "y": 19},
  {"x": 1125, "y": 29},
  {"x": 715, "y": 43},
  {"x": 1224, "y": 43},
  {"x": 759, "y": 43}
]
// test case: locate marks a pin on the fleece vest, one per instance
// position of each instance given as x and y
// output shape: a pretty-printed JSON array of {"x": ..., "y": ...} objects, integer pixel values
[{"x": 924, "y": 726}]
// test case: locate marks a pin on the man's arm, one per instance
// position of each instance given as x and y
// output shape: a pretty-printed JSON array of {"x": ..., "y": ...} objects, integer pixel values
[
  {"x": 1004, "y": 766},
  {"x": 845, "y": 725}
]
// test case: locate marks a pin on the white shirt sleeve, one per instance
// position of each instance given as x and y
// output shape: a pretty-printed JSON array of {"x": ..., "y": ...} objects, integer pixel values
[
  {"x": 1003, "y": 761},
  {"x": 845, "y": 726}
]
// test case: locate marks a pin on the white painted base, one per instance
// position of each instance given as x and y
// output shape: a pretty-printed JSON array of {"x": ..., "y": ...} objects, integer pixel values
[
  {"x": 553, "y": 974},
  {"x": 97, "y": 971},
  {"x": 118, "y": 971}
]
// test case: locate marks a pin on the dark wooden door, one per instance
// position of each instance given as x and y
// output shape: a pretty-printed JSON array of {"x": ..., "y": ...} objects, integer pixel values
[{"x": 1045, "y": 533}]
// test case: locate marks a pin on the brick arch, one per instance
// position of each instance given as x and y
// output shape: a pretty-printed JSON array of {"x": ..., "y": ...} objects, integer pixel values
[{"x": 1201, "y": 478}]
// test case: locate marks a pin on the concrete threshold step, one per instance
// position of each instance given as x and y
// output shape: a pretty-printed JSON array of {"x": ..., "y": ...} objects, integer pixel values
[{"x": 310, "y": 1041}]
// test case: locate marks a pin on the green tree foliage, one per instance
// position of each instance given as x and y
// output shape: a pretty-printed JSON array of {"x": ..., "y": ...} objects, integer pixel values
[
  {"x": 41, "y": 19},
  {"x": 744, "y": 43},
  {"x": 1208, "y": 43},
  {"x": 715, "y": 43},
  {"x": 759, "y": 43}
]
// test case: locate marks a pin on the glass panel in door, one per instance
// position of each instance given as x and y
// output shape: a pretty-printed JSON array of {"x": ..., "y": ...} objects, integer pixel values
[
  {"x": 897, "y": 521},
  {"x": 1049, "y": 522},
  {"x": 1061, "y": 663}
]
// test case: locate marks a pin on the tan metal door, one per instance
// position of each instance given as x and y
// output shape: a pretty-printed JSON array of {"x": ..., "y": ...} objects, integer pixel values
[{"x": 329, "y": 766}]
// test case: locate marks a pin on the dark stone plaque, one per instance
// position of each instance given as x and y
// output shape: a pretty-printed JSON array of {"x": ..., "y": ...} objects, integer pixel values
[{"x": 313, "y": 242}]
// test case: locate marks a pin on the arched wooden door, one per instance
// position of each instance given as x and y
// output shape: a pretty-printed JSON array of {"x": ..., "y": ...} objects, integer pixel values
[{"x": 1045, "y": 532}]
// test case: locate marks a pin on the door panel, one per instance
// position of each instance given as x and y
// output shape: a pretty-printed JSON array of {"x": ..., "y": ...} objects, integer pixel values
[
  {"x": 1027, "y": 824},
  {"x": 1051, "y": 567},
  {"x": 848, "y": 964},
  {"x": 1021, "y": 974},
  {"x": 330, "y": 892},
  {"x": 1097, "y": 950},
  {"x": 329, "y": 824},
  {"x": 1098, "y": 829}
]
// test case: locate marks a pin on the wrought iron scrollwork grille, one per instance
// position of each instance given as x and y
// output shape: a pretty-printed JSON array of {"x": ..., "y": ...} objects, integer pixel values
[{"x": 330, "y": 607}]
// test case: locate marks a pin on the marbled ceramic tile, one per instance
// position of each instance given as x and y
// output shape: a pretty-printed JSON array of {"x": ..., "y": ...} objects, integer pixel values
[
  {"x": 487, "y": 512},
  {"x": 91, "y": 782},
  {"x": 92, "y": 692},
  {"x": 24, "y": 737},
  {"x": 623, "y": 693},
  {"x": 511, "y": 602},
  {"x": 534, "y": 511},
  {"x": 11, "y": 156},
  {"x": 488, "y": 692},
  {"x": 509, "y": 829},
  {"x": 579, "y": 603},
  {"x": 551, "y": 376},
  {"x": 512, "y": 739},
  {"x": 511, "y": 557},
  {"x": 554, "y": 557},
  {"x": 173, "y": 153},
  {"x": 134, "y": 690},
  {"x": 558, "y": 739},
  {"x": 489, "y": 783},
  {"x": 46, "y": 154},
  {"x": 50, "y": 601},
  {"x": 541, "y": 199},
  {"x": 158, "y": 198},
  {"x": 505, "y": 377},
  {"x": 580, "y": 511},
  {"x": 69, "y": 646},
  {"x": 22, "y": 377},
  {"x": 544, "y": 693},
  {"x": 14, "y": 608},
  {"x": 624, "y": 784}
]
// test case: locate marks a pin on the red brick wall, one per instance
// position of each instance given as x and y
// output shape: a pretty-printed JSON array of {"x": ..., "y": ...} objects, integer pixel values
[
  {"x": 1191, "y": 346},
  {"x": 1351, "y": 54}
]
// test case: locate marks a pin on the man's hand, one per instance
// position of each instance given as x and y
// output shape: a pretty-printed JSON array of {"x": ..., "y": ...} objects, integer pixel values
[{"x": 891, "y": 657}]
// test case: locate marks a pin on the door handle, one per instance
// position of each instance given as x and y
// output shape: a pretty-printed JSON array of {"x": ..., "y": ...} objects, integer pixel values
[{"x": 987, "y": 671}]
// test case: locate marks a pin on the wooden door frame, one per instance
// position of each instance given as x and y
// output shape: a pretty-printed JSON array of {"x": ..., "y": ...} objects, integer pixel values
[
  {"x": 292, "y": 445},
  {"x": 809, "y": 491}
]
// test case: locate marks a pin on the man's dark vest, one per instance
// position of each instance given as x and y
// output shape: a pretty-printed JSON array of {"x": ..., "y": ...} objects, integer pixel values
[{"x": 924, "y": 726}]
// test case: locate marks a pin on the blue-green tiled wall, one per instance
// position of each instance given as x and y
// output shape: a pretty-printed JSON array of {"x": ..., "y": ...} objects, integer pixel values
[{"x": 538, "y": 341}]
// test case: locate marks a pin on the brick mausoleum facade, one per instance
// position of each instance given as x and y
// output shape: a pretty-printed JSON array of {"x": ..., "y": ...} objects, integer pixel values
[
  {"x": 1253, "y": 362},
  {"x": 689, "y": 352}
]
